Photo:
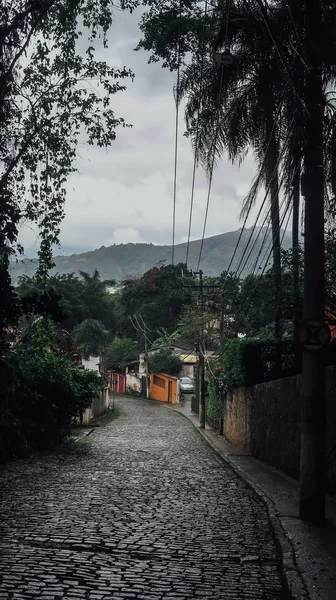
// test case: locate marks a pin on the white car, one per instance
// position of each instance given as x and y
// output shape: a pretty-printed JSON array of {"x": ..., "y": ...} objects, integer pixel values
[{"x": 186, "y": 385}]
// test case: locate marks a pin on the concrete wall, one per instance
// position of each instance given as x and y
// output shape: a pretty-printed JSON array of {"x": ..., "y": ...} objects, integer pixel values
[
  {"x": 265, "y": 419},
  {"x": 98, "y": 407},
  {"x": 133, "y": 383},
  {"x": 92, "y": 363},
  {"x": 101, "y": 404}
]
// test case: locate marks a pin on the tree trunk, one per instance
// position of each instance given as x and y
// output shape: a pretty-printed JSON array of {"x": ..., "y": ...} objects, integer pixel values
[
  {"x": 295, "y": 240},
  {"x": 312, "y": 459},
  {"x": 272, "y": 184}
]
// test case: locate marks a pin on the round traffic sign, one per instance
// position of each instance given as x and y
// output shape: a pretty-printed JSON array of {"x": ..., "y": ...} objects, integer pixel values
[{"x": 313, "y": 335}]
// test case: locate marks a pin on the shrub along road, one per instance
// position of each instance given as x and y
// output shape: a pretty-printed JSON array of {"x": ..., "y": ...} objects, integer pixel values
[{"x": 147, "y": 511}]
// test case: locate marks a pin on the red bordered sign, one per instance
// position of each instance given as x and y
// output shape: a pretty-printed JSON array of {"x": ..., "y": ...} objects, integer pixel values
[{"x": 313, "y": 335}]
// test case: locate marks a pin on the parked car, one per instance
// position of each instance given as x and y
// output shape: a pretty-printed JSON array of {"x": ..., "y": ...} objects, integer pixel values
[{"x": 186, "y": 385}]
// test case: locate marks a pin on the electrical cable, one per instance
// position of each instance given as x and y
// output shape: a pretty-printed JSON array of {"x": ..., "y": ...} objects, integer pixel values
[
  {"x": 289, "y": 75},
  {"x": 275, "y": 170},
  {"x": 264, "y": 269},
  {"x": 211, "y": 172},
  {"x": 197, "y": 134},
  {"x": 146, "y": 326},
  {"x": 215, "y": 140},
  {"x": 176, "y": 129},
  {"x": 261, "y": 227}
]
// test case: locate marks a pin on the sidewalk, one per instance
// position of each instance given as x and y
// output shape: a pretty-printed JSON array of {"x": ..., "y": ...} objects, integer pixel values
[{"x": 309, "y": 552}]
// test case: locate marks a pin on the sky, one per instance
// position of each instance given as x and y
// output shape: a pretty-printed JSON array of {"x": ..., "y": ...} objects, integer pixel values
[{"x": 125, "y": 194}]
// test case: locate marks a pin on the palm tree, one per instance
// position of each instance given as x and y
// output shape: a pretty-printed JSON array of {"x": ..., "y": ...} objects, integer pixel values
[
  {"x": 254, "y": 103},
  {"x": 238, "y": 108},
  {"x": 97, "y": 297}
]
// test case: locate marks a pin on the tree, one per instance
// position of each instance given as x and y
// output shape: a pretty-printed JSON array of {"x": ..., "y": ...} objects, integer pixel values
[
  {"x": 97, "y": 298},
  {"x": 91, "y": 337},
  {"x": 68, "y": 289},
  {"x": 121, "y": 352},
  {"x": 156, "y": 299},
  {"x": 78, "y": 298},
  {"x": 46, "y": 103},
  {"x": 198, "y": 322},
  {"x": 231, "y": 108},
  {"x": 164, "y": 361},
  {"x": 256, "y": 102}
]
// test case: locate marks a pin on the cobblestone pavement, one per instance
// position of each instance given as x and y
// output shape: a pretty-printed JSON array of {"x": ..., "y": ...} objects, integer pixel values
[{"x": 147, "y": 512}]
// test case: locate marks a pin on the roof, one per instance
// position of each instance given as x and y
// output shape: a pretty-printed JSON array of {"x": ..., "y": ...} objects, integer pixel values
[
  {"x": 133, "y": 362},
  {"x": 183, "y": 345},
  {"x": 188, "y": 358},
  {"x": 164, "y": 375}
]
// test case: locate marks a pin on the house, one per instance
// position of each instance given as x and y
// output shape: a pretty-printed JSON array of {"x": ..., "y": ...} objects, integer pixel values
[
  {"x": 187, "y": 354},
  {"x": 164, "y": 388},
  {"x": 136, "y": 375}
]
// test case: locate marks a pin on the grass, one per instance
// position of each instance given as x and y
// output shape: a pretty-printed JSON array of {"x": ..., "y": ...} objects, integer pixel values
[
  {"x": 107, "y": 418},
  {"x": 79, "y": 443},
  {"x": 74, "y": 444}
]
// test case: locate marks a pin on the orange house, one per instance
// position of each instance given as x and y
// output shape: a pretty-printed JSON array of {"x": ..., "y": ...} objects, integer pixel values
[{"x": 163, "y": 388}]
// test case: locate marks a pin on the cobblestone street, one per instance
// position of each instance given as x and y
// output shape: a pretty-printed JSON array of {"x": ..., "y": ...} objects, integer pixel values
[{"x": 147, "y": 512}]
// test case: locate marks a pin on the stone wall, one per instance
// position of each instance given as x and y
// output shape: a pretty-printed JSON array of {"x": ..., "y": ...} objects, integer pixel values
[{"x": 265, "y": 419}]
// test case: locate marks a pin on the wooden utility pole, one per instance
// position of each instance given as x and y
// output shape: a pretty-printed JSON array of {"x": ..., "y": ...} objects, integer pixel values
[
  {"x": 312, "y": 463},
  {"x": 200, "y": 345},
  {"x": 201, "y": 362}
]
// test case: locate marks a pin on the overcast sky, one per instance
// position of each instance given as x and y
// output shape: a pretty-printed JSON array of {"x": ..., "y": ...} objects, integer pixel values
[{"x": 125, "y": 194}]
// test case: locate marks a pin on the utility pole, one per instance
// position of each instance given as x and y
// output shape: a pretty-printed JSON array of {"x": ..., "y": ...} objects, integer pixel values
[
  {"x": 312, "y": 461},
  {"x": 201, "y": 362},
  {"x": 200, "y": 345}
]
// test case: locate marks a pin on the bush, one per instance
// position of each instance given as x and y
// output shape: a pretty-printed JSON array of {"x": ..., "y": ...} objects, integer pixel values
[
  {"x": 42, "y": 392},
  {"x": 121, "y": 352},
  {"x": 248, "y": 361},
  {"x": 217, "y": 390},
  {"x": 91, "y": 336},
  {"x": 164, "y": 361}
]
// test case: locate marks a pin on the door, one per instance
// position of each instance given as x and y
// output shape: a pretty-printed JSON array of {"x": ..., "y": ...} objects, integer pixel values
[{"x": 169, "y": 391}]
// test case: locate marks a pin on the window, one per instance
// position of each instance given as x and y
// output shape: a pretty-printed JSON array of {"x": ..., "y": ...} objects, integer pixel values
[{"x": 159, "y": 381}]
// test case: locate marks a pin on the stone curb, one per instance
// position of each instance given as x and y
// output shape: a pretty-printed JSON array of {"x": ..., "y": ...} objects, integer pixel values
[
  {"x": 83, "y": 435},
  {"x": 290, "y": 571}
]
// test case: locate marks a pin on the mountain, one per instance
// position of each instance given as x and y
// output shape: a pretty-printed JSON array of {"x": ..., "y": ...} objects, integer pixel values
[{"x": 127, "y": 260}]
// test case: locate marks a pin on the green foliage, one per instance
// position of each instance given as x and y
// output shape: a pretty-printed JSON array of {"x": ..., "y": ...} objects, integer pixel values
[
  {"x": 164, "y": 361},
  {"x": 196, "y": 322},
  {"x": 165, "y": 339},
  {"x": 41, "y": 394},
  {"x": 121, "y": 352},
  {"x": 195, "y": 396},
  {"x": 217, "y": 390},
  {"x": 248, "y": 361},
  {"x": 158, "y": 296},
  {"x": 47, "y": 102},
  {"x": 232, "y": 361},
  {"x": 68, "y": 299},
  {"x": 90, "y": 336}
]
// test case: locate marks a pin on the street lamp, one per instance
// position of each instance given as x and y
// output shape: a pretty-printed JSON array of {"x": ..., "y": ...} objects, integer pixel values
[{"x": 222, "y": 58}]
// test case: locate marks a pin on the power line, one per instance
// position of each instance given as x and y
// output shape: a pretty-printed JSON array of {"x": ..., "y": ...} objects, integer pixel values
[
  {"x": 176, "y": 129},
  {"x": 216, "y": 135},
  {"x": 197, "y": 133},
  {"x": 274, "y": 174},
  {"x": 211, "y": 169},
  {"x": 289, "y": 75},
  {"x": 267, "y": 213}
]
